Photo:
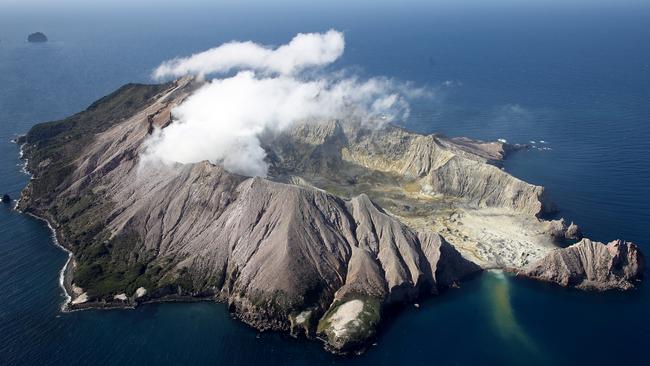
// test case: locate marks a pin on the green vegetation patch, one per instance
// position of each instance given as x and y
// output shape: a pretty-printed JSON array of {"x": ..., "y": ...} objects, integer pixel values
[{"x": 109, "y": 268}]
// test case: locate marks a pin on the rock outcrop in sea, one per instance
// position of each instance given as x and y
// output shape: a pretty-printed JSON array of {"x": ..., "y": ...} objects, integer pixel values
[
  {"x": 591, "y": 265},
  {"x": 37, "y": 37},
  {"x": 351, "y": 219}
]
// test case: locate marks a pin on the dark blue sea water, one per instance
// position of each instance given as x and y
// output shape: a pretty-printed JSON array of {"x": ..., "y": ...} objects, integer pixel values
[{"x": 576, "y": 75}]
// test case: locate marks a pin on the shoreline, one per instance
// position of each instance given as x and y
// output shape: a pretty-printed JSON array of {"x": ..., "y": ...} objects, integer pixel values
[
  {"x": 64, "y": 275},
  {"x": 63, "y": 272}
]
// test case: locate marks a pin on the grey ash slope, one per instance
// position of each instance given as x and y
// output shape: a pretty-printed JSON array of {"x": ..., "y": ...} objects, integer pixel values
[{"x": 346, "y": 224}]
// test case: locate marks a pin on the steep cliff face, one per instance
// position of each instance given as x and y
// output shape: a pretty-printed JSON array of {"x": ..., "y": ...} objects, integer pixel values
[
  {"x": 349, "y": 221},
  {"x": 591, "y": 265},
  {"x": 461, "y": 168}
]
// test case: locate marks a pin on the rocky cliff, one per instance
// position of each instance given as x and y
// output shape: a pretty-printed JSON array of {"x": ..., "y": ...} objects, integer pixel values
[
  {"x": 350, "y": 220},
  {"x": 591, "y": 266}
]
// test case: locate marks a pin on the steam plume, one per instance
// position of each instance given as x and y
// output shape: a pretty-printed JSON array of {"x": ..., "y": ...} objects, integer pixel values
[{"x": 222, "y": 120}]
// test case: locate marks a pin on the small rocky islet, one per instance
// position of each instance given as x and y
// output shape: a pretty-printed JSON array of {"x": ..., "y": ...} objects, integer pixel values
[
  {"x": 350, "y": 221},
  {"x": 37, "y": 37}
]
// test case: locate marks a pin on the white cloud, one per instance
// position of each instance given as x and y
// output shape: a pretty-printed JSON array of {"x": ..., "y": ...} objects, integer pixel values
[
  {"x": 222, "y": 120},
  {"x": 304, "y": 50}
]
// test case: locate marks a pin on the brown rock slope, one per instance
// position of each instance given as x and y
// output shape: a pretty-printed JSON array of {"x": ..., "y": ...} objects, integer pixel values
[{"x": 591, "y": 265}]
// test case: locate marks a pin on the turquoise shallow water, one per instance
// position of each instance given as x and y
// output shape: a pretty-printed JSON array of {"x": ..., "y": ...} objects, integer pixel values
[{"x": 576, "y": 78}]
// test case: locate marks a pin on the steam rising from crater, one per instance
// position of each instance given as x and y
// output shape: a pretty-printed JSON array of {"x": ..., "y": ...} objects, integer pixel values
[{"x": 272, "y": 90}]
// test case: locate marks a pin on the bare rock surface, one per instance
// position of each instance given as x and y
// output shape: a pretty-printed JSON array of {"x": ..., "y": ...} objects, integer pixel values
[{"x": 591, "y": 265}]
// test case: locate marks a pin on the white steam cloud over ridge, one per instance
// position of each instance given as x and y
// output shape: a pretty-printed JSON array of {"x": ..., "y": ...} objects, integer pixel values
[
  {"x": 222, "y": 120},
  {"x": 304, "y": 50}
]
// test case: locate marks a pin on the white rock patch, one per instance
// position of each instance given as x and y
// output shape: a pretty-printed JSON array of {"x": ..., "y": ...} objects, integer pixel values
[
  {"x": 302, "y": 317},
  {"x": 77, "y": 290},
  {"x": 80, "y": 299},
  {"x": 141, "y": 291},
  {"x": 344, "y": 316}
]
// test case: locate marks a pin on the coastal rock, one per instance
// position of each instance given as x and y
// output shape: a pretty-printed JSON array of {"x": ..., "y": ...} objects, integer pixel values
[
  {"x": 348, "y": 325},
  {"x": 37, "y": 37},
  {"x": 5, "y": 198},
  {"x": 563, "y": 233},
  {"x": 80, "y": 298},
  {"x": 140, "y": 292},
  {"x": 573, "y": 232},
  {"x": 591, "y": 265}
]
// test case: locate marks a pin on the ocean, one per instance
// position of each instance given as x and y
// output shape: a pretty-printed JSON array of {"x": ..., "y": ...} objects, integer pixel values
[{"x": 574, "y": 75}]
